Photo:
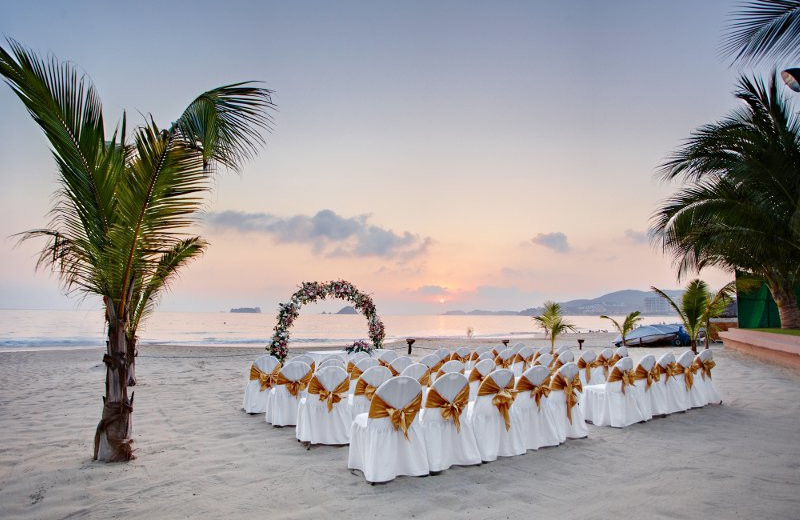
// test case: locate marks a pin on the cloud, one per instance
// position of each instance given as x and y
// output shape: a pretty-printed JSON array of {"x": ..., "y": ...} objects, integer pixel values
[
  {"x": 328, "y": 233},
  {"x": 433, "y": 290},
  {"x": 636, "y": 237},
  {"x": 556, "y": 241}
]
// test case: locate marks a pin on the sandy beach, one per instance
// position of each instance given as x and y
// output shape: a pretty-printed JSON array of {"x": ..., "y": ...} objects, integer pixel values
[{"x": 200, "y": 456}]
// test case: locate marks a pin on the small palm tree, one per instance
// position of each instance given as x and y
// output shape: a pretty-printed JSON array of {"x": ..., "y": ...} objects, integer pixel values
[
  {"x": 553, "y": 323},
  {"x": 118, "y": 228},
  {"x": 693, "y": 309},
  {"x": 627, "y": 325}
]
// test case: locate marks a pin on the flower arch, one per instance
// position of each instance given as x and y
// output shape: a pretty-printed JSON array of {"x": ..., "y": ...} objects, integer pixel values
[{"x": 310, "y": 292}]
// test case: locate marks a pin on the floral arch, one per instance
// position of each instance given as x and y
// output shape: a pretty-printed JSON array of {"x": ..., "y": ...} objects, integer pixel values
[{"x": 310, "y": 292}]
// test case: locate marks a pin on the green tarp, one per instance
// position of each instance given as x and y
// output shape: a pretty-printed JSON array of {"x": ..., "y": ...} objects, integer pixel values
[{"x": 757, "y": 309}]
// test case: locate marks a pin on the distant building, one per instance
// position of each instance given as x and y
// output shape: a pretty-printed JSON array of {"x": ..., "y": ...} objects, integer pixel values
[{"x": 656, "y": 305}]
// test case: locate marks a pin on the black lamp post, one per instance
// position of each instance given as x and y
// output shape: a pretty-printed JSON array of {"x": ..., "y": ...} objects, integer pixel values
[
  {"x": 580, "y": 344},
  {"x": 792, "y": 78},
  {"x": 505, "y": 342},
  {"x": 410, "y": 342}
]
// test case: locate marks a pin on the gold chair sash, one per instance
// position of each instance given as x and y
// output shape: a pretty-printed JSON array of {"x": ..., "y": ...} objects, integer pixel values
[
  {"x": 605, "y": 363},
  {"x": 450, "y": 409},
  {"x": 526, "y": 361},
  {"x": 536, "y": 356},
  {"x": 435, "y": 368},
  {"x": 707, "y": 366},
  {"x": 640, "y": 374},
  {"x": 456, "y": 357},
  {"x": 350, "y": 366},
  {"x": 266, "y": 379},
  {"x": 355, "y": 373},
  {"x": 556, "y": 365},
  {"x": 676, "y": 368},
  {"x": 474, "y": 375},
  {"x": 401, "y": 417},
  {"x": 586, "y": 367},
  {"x": 672, "y": 370},
  {"x": 503, "y": 397},
  {"x": 334, "y": 396},
  {"x": 537, "y": 392},
  {"x": 473, "y": 356},
  {"x": 393, "y": 370},
  {"x": 558, "y": 382},
  {"x": 613, "y": 361},
  {"x": 655, "y": 373},
  {"x": 625, "y": 377},
  {"x": 425, "y": 380},
  {"x": 294, "y": 387},
  {"x": 504, "y": 363},
  {"x": 365, "y": 389}
]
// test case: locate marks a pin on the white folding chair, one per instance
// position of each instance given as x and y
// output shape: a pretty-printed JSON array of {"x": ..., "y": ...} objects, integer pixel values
[
  {"x": 482, "y": 368},
  {"x": 602, "y": 366},
  {"x": 565, "y": 397},
  {"x": 661, "y": 400},
  {"x": 399, "y": 364},
  {"x": 702, "y": 366},
  {"x": 544, "y": 360},
  {"x": 643, "y": 381},
  {"x": 523, "y": 359},
  {"x": 365, "y": 388},
  {"x": 505, "y": 359},
  {"x": 676, "y": 382},
  {"x": 584, "y": 364},
  {"x": 360, "y": 367},
  {"x": 287, "y": 392},
  {"x": 386, "y": 442},
  {"x": 535, "y": 417},
  {"x": 614, "y": 403},
  {"x": 497, "y": 432},
  {"x": 450, "y": 367},
  {"x": 562, "y": 359},
  {"x": 449, "y": 439},
  {"x": 323, "y": 416},
  {"x": 420, "y": 372},
  {"x": 261, "y": 378}
]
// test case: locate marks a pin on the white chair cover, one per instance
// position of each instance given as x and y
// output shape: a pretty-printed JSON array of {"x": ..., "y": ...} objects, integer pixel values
[
  {"x": 282, "y": 405},
  {"x": 493, "y": 438},
  {"x": 375, "y": 377},
  {"x": 415, "y": 370},
  {"x": 607, "y": 405},
  {"x": 332, "y": 361},
  {"x": 255, "y": 399},
  {"x": 379, "y": 451},
  {"x": 400, "y": 363},
  {"x": 643, "y": 397},
  {"x": 517, "y": 347},
  {"x": 560, "y": 350},
  {"x": 696, "y": 395},
  {"x": 543, "y": 350},
  {"x": 315, "y": 423},
  {"x": 544, "y": 360},
  {"x": 537, "y": 421},
  {"x": 463, "y": 352},
  {"x": 483, "y": 367},
  {"x": 520, "y": 366},
  {"x": 504, "y": 358},
  {"x": 304, "y": 358},
  {"x": 706, "y": 383},
  {"x": 358, "y": 356},
  {"x": 599, "y": 373},
  {"x": 442, "y": 353},
  {"x": 676, "y": 385},
  {"x": 387, "y": 356},
  {"x": 446, "y": 444},
  {"x": 576, "y": 429},
  {"x": 430, "y": 361},
  {"x": 565, "y": 357},
  {"x": 362, "y": 365},
  {"x": 450, "y": 367},
  {"x": 485, "y": 355},
  {"x": 481, "y": 350},
  {"x": 376, "y": 352},
  {"x": 621, "y": 351},
  {"x": 587, "y": 357},
  {"x": 660, "y": 399}
]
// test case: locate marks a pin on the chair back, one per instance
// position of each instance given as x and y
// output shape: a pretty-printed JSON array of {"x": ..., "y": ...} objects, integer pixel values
[
  {"x": 525, "y": 352},
  {"x": 295, "y": 370},
  {"x": 536, "y": 375},
  {"x": 647, "y": 362},
  {"x": 543, "y": 350},
  {"x": 501, "y": 377},
  {"x": 463, "y": 352},
  {"x": 666, "y": 359},
  {"x": 305, "y": 358},
  {"x": 481, "y": 350},
  {"x": 517, "y": 347},
  {"x": 358, "y": 356},
  {"x": 330, "y": 362},
  {"x": 485, "y": 355},
  {"x": 544, "y": 360},
  {"x": 560, "y": 350},
  {"x": 484, "y": 367},
  {"x": 387, "y": 356},
  {"x": 706, "y": 355},
  {"x": 430, "y": 361},
  {"x": 442, "y": 353},
  {"x": 452, "y": 366},
  {"x": 267, "y": 363},
  {"x": 376, "y": 376},
  {"x": 366, "y": 363},
  {"x": 398, "y": 391},
  {"x": 401, "y": 363},
  {"x": 588, "y": 356},
  {"x": 568, "y": 371},
  {"x": 450, "y": 384},
  {"x": 606, "y": 353},
  {"x": 505, "y": 357},
  {"x": 415, "y": 370},
  {"x": 331, "y": 376},
  {"x": 566, "y": 357},
  {"x": 685, "y": 359}
]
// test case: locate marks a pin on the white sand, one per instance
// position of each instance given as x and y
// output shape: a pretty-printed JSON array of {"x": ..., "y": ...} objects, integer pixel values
[{"x": 200, "y": 456}]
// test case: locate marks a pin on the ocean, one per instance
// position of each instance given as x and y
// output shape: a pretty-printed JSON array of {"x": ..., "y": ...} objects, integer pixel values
[{"x": 60, "y": 329}]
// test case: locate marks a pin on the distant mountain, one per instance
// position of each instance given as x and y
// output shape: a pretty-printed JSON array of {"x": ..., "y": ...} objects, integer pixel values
[
  {"x": 615, "y": 303},
  {"x": 247, "y": 310},
  {"x": 347, "y": 310}
]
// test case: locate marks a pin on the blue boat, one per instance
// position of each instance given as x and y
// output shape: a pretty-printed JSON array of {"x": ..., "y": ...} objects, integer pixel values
[{"x": 650, "y": 335}]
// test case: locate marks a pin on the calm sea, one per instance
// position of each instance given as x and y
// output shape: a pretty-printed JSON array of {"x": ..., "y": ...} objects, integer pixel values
[{"x": 35, "y": 329}]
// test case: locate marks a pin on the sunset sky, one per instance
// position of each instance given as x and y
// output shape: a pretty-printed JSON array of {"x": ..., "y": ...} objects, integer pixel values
[{"x": 440, "y": 155}]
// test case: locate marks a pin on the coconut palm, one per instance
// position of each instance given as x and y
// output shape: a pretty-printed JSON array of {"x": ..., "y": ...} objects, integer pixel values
[
  {"x": 693, "y": 308},
  {"x": 739, "y": 208},
  {"x": 764, "y": 29},
  {"x": 627, "y": 325},
  {"x": 125, "y": 202},
  {"x": 553, "y": 323}
]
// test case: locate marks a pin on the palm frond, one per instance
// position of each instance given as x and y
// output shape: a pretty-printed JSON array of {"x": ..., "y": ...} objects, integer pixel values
[{"x": 764, "y": 29}]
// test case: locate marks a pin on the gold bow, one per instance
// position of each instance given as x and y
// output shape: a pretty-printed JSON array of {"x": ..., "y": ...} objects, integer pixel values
[
  {"x": 355, "y": 373},
  {"x": 537, "y": 392},
  {"x": 294, "y": 387},
  {"x": 450, "y": 409},
  {"x": 503, "y": 397},
  {"x": 401, "y": 418},
  {"x": 473, "y": 356},
  {"x": 266, "y": 380},
  {"x": 624, "y": 376},
  {"x": 655, "y": 373},
  {"x": 688, "y": 376},
  {"x": 350, "y": 366},
  {"x": 394, "y": 371},
  {"x": 474, "y": 375},
  {"x": 707, "y": 366},
  {"x": 425, "y": 380},
  {"x": 605, "y": 363},
  {"x": 365, "y": 389},
  {"x": 332, "y": 396},
  {"x": 613, "y": 361},
  {"x": 525, "y": 361},
  {"x": 640, "y": 374},
  {"x": 556, "y": 365},
  {"x": 586, "y": 367},
  {"x": 672, "y": 370},
  {"x": 503, "y": 363},
  {"x": 558, "y": 382},
  {"x": 456, "y": 357}
]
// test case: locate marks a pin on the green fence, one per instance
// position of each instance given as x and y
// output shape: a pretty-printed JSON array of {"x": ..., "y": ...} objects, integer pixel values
[{"x": 757, "y": 309}]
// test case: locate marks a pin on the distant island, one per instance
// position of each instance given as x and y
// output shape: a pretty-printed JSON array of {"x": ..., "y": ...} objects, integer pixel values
[
  {"x": 347, "y": 310},
  {"x": 247, "y": 310},
  {"x": 615, "y": 303}
]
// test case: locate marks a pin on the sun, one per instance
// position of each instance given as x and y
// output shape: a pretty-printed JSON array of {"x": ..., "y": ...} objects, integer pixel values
[{"x": 441, "y": 300}]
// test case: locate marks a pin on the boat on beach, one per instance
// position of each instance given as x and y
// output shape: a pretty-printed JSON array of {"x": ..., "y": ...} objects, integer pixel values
[{"x": 652, "y": 335}]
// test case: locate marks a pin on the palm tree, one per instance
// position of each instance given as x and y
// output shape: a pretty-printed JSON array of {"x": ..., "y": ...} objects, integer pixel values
[
  {"x": 627, "y": 325},
  {"x": 764, "y": 29},
  {"x": 693, "y": 308},
  {"x": 119, "y": 223},
  {"x": 553, "y": 323},
  {"x": 739, "y": 207}
]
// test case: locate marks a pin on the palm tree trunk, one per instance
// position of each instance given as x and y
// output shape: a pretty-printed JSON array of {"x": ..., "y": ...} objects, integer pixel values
[
  {"x": 112, "y": 442},
  {"x": 132, "y": 353},
  {"x": 786, "y": 300},
  {"x": 694, "y": 345}
]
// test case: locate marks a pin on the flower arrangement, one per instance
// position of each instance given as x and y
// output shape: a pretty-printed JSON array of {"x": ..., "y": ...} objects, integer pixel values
[
  {"x": 359, "y": 346},
  {"x": 312, "y": 291}
]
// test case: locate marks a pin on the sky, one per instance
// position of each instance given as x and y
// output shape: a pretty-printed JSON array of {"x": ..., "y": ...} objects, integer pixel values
[{"x": 439, "y": 155}]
